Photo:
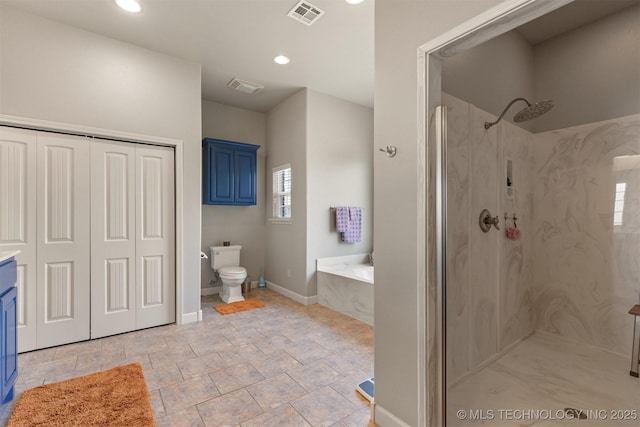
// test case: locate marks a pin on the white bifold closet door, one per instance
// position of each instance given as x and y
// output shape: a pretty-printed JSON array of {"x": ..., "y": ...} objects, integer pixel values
[
  {"x": 18, "y": 222},
  {"x": 95, "y": 223},
  {"x": 133, "y": 237},
  {"x": 64, "y": 241}
]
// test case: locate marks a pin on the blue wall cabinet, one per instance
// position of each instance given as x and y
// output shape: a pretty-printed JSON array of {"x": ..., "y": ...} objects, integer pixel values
[
  {"x": 228, "y": 172},
  {"x": 8, "y": 329}
]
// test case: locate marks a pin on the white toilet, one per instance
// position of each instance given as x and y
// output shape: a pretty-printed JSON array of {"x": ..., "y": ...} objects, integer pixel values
[{"x": 226, "y": 261}]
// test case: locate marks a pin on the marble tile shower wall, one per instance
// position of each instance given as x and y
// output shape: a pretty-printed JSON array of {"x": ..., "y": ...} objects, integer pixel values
[
  {"x": 587, "y": 256},
  {"x": 490, "y": 278}
]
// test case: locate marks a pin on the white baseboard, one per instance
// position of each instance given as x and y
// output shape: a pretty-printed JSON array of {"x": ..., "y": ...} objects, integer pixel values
[
  {"x": 196, "y": 316},
  {"x": 292, "y": 295},
  {"x": 210, "y": 290},
  {"x": 385, "y": 418}
]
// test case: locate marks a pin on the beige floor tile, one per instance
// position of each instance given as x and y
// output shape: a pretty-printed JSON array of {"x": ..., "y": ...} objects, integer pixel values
[
  {"x": 235, "y": 377},
  {"x": 275, "y": 391},
  {"x": 210, "y": 344},
  {"x": 95, "y": 360},
  {"x": 188, "y": 393},
  {"x": 229, "y": 409},
  {"x": 145, "y": 346},
  {"x": 240, "y": 353},
  {"x": 200, "y": 366},
  {"x": 171, "y": 355},
  {"x": 315, "y": 375},
  {"x": 75, "y": 349},
  {"x": 189, "y": 417},
  {"x": 36, "y": 357},
  {"x": 324, "y": 407},
  {"x": 307, "y": 352},
  {"x": 283, "y": 415},
  {"x": 359, "y": 418},
  {"x": 157, "y": 405},
  {"x": 276, "y": 364},
  {"x": 162, "y": 377},
  {"x": 208, "y": 373}
]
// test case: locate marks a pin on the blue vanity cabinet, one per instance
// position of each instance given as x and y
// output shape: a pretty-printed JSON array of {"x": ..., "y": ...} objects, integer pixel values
[
  {"x": 228, "y": 172},
  {"x": 8, "y": 329}
]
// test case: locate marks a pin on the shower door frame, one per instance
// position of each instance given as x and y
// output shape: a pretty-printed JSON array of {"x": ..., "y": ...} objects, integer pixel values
[{"x": 498, "y": 20}]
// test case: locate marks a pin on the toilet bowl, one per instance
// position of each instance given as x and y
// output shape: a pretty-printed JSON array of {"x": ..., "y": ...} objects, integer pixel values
[
  {"x": 225, "y": 261},
  {"x": 232, "y": 279}
]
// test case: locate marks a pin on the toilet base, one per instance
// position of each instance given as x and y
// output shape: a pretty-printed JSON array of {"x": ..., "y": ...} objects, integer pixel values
[{"x": 231, "y": 294}]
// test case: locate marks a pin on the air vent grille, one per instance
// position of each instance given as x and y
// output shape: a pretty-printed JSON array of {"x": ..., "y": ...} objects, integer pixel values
[
  {"x": 305, "y": 12},
  {"x": 244, "y": 86}
]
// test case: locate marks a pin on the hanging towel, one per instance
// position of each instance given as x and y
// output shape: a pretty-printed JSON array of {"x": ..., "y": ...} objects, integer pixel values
[
  {"x": 342, "y": 219},
  {"x": 354, "y": 227}
]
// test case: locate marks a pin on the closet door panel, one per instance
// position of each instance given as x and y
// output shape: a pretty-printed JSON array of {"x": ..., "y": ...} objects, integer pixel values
[
  {"x": 155, "y": 241},
  {"x": 18, "y": 222},
  {"x": 112, "y": 238},
  {"x": 63, "y": 218}
]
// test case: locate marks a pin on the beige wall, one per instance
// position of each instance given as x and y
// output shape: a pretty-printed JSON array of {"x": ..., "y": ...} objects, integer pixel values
[
  {"x": 401, "y": 27},
  {"x": 339, "y": 173},
  {"x": 492, "y": 74},
  {"x": 286, "y": 244},
  {"x": 328, "y": 143},
  {"x": 51, "y": 71},
  {"x": 591, "y": 73},
  {"x": 242, "y": 225}
]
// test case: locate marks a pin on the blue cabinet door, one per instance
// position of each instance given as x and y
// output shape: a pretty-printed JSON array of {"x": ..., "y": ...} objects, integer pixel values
[
  {"x": 223, "y": 174},
  {"x": 8, "y": 344},
  {"x": 228, "y": 172},
  {"x": 245, "y": 162}
]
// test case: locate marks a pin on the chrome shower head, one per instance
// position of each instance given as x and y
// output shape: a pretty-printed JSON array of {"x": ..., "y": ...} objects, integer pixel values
[
  {"x": 533, "y": 111},
  {"x": 528, "y": 113}
]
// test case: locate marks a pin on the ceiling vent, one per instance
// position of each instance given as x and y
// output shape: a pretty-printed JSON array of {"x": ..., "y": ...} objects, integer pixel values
[
  {"x": 305, "y": 12},
  {"x": 244, "y": 86}
]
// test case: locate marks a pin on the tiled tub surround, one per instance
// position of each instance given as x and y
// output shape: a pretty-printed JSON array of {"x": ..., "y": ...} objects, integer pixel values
[
  {"x": 345, "y": 284},
  {"x": 587, "y": 258},
  {"x": 282, "y": 365},
  {"x": 489, "y": 278}
]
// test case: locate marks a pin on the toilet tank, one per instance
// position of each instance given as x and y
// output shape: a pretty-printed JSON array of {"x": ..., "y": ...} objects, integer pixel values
[{"x": 225, "y": 256}]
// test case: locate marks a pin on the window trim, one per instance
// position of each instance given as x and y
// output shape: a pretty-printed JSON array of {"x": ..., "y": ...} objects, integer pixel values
[{"x": 275, "y": 194}]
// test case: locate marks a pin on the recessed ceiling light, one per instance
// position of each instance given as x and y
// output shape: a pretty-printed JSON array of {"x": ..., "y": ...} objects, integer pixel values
[
  {"x": 354, "y": 1},
  {"x": 281, "y": 59},
  {"x": 129, "y": 5}
]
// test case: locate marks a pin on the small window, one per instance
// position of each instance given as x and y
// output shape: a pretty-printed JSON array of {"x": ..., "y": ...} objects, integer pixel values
[
  {"x": 282, "y": 192},
  {"x": 618, "y": 206}
]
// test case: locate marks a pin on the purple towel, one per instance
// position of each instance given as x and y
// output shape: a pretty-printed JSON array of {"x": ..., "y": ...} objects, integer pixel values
[
  {"x": 353, "y": 234},
  {"x": 342, "y": 219}
]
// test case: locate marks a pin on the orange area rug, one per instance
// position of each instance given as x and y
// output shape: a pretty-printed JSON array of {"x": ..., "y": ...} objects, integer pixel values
[
  {"x": 235, "y": 307},
  {"x": 117, "y": 397}
]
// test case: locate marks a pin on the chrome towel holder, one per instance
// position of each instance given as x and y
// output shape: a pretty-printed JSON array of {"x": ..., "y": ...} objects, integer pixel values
[{"x": 390, "y": 150}]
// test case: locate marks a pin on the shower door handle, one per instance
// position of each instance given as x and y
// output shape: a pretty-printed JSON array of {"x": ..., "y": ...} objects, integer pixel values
[{"x": 486, "y": 220}]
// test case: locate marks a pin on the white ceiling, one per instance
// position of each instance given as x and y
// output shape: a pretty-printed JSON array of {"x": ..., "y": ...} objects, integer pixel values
[{"x": 239, "y": 38}]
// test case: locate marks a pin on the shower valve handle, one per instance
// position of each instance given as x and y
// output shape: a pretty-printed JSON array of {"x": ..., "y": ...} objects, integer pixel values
[{"x": 487, "y": 220}]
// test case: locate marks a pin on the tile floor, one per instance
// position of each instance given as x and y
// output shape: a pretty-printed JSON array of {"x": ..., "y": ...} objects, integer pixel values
[
  {"x": 543, "y": 375},
  {"x": 281, "y": 365}
]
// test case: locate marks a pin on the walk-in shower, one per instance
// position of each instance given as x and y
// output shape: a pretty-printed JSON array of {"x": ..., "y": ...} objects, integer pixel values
[
  {"x": 536, "y": 324},
  {"x": 530, "y": 112}
]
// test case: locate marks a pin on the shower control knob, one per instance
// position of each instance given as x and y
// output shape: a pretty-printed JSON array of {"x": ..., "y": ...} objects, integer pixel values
[{"x": 486, "y": 220}]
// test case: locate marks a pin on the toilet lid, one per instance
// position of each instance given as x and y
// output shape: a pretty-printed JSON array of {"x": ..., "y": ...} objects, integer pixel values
[{"x": 232, "y": 270}]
